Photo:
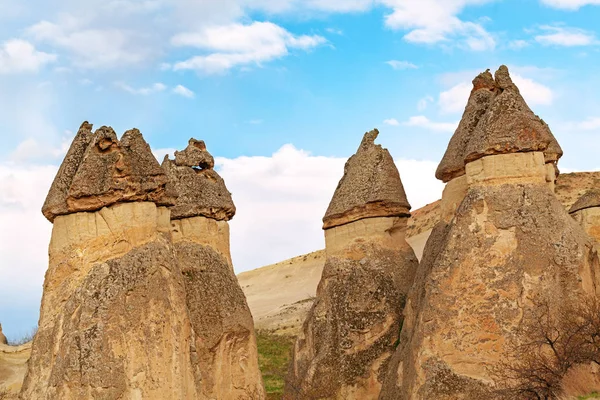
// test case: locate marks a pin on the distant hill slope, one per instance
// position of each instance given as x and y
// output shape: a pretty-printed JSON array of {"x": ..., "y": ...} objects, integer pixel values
[{"x": 281, "y": 294}]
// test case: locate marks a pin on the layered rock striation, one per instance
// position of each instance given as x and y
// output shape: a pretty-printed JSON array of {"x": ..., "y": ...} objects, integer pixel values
[
  {"x": 509, "y": 248},
  {"x": 586, "y": 211},
  {"x": 225, "y": 356},
  {"x": 353, "y": 327},
  {"x": 113, "y": 320}
]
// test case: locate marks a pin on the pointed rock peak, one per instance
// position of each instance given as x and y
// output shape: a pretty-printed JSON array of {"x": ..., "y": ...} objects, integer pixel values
[
  {"x": 371, "y": 187},
  {"x": 56, "y": 200},
  {"x": 201, "y": 190},
  {"x": 590, "y": 199},
  {"x": 195, "y": 155},
  {"x": 497, "y": 120},
  {"x": 99, "y": 170}
]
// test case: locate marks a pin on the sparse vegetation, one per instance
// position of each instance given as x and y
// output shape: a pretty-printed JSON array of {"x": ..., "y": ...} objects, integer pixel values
[
  {"x": 553, "y": 344},
  {"x": 274, "y": 355},
  {"x": 24, "y": 338}
]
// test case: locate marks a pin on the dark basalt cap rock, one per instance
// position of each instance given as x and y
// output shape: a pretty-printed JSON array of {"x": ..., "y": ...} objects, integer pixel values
[
  {"x": 496, "y": 120},
  {"x": 99, "y": 170},
  {"x": 202, "y": 192},
  {"x": 371, "y": 187},
  {"x": 589, "y": 200}
]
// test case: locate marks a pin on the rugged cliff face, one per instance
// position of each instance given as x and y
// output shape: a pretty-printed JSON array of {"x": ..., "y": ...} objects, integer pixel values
[
  {"x": 353, "y": 326},
  {"x": 113, "y": 284},
  {"x": 509, "y": 247},
  {"x": 586, "y": 212},
  {"x": 225, "y": 357}
]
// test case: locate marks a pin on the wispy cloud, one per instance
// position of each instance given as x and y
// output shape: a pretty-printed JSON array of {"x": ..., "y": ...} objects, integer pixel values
[
  {"x": 570, "y": 4},
  {"x": 183, "y": 91},
  {"x": 391, "y": 122},
  {"x": 155, "y": 88},
  {"x": 421, "y": 121},
  {"x": 236, "y": 45},
  {"x": 565, "y": 36},
  {"x": 401, "y": 64}
]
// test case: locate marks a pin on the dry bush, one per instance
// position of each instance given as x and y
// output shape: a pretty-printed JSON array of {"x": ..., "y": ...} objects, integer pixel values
[{"x": 551, "y": 343}]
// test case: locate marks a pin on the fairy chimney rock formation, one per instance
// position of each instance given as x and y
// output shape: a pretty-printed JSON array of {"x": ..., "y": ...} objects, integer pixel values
[
  {"x": 226, "y": 356},
  {"x": 586, "y": 211},
  {"x": 496, "y": 121},
  {"x": 113, "y": 284},
  {"x": 353, "y": 327},
  {"x": 2, "y": 337},
  {"x": 486, "y": 270}
]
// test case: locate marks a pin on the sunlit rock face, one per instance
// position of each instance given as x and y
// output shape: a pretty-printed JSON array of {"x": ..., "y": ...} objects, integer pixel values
[
  {"x": 113, "y": 320},
  {"x": 586, "y": 212},
  {"x": 509, "y": 246},
  {"x": 353, "y": 327},
  {"x": 224, "y": 353}
]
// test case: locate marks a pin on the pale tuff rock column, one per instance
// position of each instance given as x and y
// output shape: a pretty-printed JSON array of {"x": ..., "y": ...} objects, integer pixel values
[
  {"x": 509, "y": 246},
  {"x": 225, "y": 357},
  {"x": 586, "y": 211},
  {"x": 2, "y": 337},
  {"x": 353, "y": 327},
  {"x": 113, "y": 321}
]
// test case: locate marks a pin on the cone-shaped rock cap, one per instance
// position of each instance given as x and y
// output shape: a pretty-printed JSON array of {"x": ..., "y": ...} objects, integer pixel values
[
  {"x": 201, "y": 191},
  {"x": 370, "y": 187},
  {"x": 99, "y": 170},
  {"x": 496, "y": 120},
  {"x": 589, "y": 200}
]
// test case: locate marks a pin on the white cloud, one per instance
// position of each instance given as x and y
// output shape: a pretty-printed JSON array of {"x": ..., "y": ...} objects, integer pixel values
[
  {"x": 105, "y": 47},
  {"x": 589, "y": 124},
  {"x": 435, "y": 21},
  {"x": 235, "y": 45},
  {"x": 391, "y": 122},
  {"x": 518, "y": 44},
  {"x": 565, "y": 36},
  {"x": 183, "y": 91},
  {"x": 455, "y": 99},
  {"x": 334, "y": 31},
  {"x": 401, "y": 64},
  {"x": 423, "y": 103},
  {"x": 421, "y": 121},
  {"x": 18, "y": 55},
  {"x": 144, "y": 91},
  {"x": 570, "y": 4}
]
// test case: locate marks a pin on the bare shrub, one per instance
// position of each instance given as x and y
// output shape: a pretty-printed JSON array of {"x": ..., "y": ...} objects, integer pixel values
[{"x": 551, "y": 342}]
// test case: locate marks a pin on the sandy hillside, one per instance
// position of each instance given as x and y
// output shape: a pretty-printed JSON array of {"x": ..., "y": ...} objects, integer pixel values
[
  {"x": 280, "y": 295},
  {"x": 13, "y": 360}
]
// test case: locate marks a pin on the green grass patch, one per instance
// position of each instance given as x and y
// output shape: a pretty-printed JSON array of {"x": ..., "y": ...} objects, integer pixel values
[
  {"x": 274, "y": 355},
  {"x": 593, "y": 395}
]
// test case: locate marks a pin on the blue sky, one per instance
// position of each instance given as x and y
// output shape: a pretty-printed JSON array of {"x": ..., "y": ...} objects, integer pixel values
[{"x": 280, "y": 90}]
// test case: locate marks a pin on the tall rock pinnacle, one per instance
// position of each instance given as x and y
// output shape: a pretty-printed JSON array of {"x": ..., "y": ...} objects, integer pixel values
[
  {"x": 353, "y": 327},
  {"x": 113, "y": 284},
  {"x": 509, "y": 248},
  {"x": 224, "y": 341}
]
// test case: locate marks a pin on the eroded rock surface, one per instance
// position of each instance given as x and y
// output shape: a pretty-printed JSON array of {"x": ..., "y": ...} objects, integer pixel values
[
  {"x": 509, "y": 248},
  {"x": 370, "y": 187},
  {"x": 586, "y": 211},
  {"x": 225, "y": 356},
  {"x": 353, "y": 327},
  {"x": 113, "y": 320},
  {"x": 2, "y": 337}
]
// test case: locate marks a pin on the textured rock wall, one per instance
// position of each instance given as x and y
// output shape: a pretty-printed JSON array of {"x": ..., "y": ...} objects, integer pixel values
[
  {"x": 112, "y": 288},
  {"x": 453, "y": 194},
  {"x": 510, "y": 245},
  {"x": 354, "y": 324},
  {"x": 225, "y": 357},
  {"x": 589, "y": 219}
]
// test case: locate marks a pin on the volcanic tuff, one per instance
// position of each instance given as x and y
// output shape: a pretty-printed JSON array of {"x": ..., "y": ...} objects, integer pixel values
[
  {"x": 351, "y": 330},
  {"x": 2, "y": 337},
  {"x": 113, "y": 284},
  {"x": 509, "y": 247},
  {"x": 586, "y": 211},
  {"x": 225, "y": 356},
  {"x": 370, "y": 187}
]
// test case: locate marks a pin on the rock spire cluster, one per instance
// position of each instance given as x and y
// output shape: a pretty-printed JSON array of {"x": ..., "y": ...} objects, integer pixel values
[
  {"x": 123, "y": 313},
  {"x": 353, "y": 327}
]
